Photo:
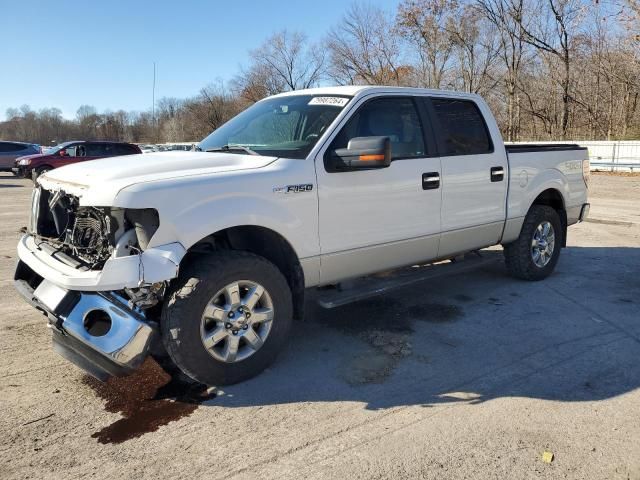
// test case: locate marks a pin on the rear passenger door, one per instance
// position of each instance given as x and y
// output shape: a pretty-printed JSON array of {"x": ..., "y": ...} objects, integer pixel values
[{"x": 474, "y": 176}]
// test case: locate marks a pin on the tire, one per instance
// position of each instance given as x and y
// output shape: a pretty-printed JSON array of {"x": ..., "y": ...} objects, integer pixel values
[
  {"x": 37, "y": 172},
  {"x": 519, "y": 256},
  {"x": 182, "y": 323}
]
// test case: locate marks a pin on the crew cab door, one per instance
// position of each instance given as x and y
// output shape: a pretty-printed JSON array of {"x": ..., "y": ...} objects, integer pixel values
[
  {"x": 474, "y": 175},
  {"x": 379, "y": 218}
]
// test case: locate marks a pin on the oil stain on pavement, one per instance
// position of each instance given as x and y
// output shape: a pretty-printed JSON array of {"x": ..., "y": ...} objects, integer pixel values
[
  {"x": 147, "y": 400},
  {"x": 385, "y": 325}
]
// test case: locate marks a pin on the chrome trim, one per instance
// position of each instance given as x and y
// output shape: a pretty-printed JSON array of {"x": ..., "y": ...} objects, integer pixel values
[
  {"x": 35, "y": 210},
  {"x": 127, "y": 341},
  {"x": 118, "y": 352}
]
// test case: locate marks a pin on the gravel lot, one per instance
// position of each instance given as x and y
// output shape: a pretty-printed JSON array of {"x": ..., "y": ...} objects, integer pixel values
[{"x": 473, "y": 376}]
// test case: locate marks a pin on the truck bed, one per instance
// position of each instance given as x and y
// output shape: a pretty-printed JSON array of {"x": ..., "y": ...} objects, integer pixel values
[{"x": 542, "y": 147}]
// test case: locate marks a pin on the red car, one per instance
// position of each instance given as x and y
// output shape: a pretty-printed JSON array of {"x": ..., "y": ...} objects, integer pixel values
[{"x": 67, "y": 153}]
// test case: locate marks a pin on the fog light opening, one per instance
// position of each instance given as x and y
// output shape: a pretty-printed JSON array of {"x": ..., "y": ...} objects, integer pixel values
[{"x": 97, "y": 322}]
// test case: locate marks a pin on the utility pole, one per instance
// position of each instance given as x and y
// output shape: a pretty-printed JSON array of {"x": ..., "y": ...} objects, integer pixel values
[{"x": 153, "y": 104}]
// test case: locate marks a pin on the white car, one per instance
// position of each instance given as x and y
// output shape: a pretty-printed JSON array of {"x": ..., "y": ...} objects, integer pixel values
[
  {"x": 212, "y": 251},
  {"x": 148, "y": 148}
]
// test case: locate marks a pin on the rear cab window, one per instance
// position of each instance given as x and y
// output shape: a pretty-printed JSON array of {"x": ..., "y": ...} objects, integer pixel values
[{"x": 462, "y": 129}]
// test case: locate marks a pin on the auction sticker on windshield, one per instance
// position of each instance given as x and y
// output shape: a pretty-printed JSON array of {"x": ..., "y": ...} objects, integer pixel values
[{"x": 335, "y": 101}]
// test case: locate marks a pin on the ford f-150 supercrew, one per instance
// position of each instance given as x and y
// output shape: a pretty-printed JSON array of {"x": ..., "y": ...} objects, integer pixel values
[{"x": 205, "y": 257}]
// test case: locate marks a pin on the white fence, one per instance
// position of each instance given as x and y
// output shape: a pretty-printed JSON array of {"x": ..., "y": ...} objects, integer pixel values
[{"x": 622, "y": 155}]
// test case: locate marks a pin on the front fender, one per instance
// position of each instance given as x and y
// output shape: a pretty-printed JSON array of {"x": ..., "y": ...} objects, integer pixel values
[
  {"x": 191, "y": 209},
  {"x": 198, "y": 221}
]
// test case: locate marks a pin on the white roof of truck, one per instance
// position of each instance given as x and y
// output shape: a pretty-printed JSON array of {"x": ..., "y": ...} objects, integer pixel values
[{"x": 353, "y": 90}]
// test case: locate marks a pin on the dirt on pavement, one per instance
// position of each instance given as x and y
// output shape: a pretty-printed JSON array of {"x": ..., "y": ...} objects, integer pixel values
[{"x": 470, "y": 376}]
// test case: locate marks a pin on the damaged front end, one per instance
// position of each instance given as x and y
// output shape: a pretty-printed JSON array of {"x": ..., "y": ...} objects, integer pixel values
[{"x": 91, "y": 272}]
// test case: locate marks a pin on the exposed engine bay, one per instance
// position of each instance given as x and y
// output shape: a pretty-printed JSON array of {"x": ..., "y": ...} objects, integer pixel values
[{"x": 86, "y": 237}]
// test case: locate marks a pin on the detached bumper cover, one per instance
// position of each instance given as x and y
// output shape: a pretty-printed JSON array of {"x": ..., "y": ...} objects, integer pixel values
[
  {"x": 153, "y": 265},
  {"x": 115, "y": 351}
]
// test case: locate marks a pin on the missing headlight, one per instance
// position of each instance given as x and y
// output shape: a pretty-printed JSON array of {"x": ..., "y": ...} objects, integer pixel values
[{"x": 146, "y": 221}]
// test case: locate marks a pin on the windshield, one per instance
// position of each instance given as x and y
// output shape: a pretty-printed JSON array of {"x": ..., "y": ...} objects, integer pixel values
[{"x": 286, "y": 126}]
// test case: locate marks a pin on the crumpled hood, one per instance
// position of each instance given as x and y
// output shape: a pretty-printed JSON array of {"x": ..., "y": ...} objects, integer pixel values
[{"x": 104, "y": 178}]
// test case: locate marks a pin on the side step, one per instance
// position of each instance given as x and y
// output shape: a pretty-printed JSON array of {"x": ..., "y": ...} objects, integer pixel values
[{"x": 365, "y": 287}]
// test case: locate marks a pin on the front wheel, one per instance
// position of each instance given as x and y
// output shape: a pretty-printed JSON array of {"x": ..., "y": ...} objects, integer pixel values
[
  {"x": 226, "y": 317},
  {"x": 534, "y": 255}
]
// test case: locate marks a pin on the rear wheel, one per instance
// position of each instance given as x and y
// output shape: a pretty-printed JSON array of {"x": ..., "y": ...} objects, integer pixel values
[
  {"x": 534, "y": 255},
  {"x": 36, "y": 172},
  {"x": 226, "y": 317}
]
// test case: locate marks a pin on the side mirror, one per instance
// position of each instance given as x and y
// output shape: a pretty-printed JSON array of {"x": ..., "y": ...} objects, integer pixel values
[
  {"x": 62, "y": 153},
  {"x": 364, "y": 153}
]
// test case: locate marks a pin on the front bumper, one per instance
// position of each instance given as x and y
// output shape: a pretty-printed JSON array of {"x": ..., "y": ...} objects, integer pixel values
[
  {"x": 96, "y": 331},
  {"x": 154, "y": 265},
  {"x": 20, "y": 171}
]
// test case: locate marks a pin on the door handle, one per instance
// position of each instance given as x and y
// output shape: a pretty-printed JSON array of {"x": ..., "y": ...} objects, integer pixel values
[
  {"x": 430, "y": 180},
  {"x": 497, "y": 174}
]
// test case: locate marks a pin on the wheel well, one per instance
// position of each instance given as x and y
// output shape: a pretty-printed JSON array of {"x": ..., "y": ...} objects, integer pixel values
[
  {"x": 553, "y": 198},
  {"x": 40, "y": 167},
  {"x": 266, "y": 243}
]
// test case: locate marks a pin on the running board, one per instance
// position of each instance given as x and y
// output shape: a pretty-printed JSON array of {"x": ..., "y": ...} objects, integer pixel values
[{"x": 365, "y": 287}]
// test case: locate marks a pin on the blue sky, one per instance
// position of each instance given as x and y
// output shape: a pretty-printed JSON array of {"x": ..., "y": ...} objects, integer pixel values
[{"x": 66, "y": 53}]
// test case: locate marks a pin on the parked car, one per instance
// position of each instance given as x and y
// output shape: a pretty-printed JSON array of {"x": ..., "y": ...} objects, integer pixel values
[
  {"x": 148, "y": 148},
  {"x": 212, "y": 252},
  {"x": 32, "y": 166},
  {"x": 9, "y": 151},
  {"x": 184, "y": 147}
]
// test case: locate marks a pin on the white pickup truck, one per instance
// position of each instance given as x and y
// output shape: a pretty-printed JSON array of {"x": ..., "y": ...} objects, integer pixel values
[{"x": 206, "y": 256}]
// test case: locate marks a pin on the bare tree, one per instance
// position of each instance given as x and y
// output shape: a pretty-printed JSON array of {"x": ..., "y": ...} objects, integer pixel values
[
  {"x": 476, "y": 48},
  {"x": 550, "y": 26},
  {"x": 423, "y": 24},
  {"x": 285, "y": 61},
  {"x": 363, "y": 49},
  {"x": 504, "y": 14}
]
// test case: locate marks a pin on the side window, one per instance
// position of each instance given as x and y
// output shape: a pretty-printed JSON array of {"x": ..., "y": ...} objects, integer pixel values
[
  {"x": 462, "y": 127},
  {"x": 11, "y": 147},
  {"x": 125, "y": 149},
  {"x": 94, "y": 149},
  {"x": 393, "y": 117},
  {"x": 70, "y": 151}
]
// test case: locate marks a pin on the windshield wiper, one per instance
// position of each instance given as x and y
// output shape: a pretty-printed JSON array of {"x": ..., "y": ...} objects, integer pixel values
[{"x": 231, "y": 148}]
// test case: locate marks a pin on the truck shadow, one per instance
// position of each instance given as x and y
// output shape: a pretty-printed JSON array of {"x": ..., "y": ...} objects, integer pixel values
[{"x": 472, "y": 338}]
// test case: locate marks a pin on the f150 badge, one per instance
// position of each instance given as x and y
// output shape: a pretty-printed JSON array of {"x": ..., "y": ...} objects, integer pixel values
[{"x": 303, "y": 187}]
